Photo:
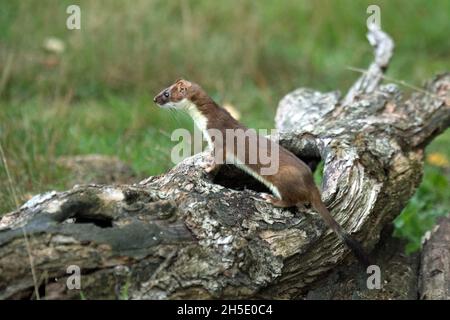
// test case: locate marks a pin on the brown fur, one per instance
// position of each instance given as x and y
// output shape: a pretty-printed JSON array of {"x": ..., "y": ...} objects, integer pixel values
[{"x": 293, "y": 180}]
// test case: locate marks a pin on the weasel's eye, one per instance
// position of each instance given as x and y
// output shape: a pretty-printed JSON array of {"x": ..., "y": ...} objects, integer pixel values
[{"x": 166, "y": 94}]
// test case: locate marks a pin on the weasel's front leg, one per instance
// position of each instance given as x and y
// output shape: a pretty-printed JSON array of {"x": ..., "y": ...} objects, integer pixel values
[{"x": 210, "y": 165}]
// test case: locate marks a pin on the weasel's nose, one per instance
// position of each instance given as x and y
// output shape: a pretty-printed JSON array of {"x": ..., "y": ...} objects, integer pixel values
[{"x": 154, "y": 99}]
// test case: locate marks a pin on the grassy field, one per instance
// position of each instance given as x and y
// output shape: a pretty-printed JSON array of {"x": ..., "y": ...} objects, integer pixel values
[{"x": 94, "y": 95}]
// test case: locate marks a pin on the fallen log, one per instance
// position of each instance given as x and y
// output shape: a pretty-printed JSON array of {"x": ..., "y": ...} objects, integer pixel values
[
  {"x": 188, "y": 234},
  {"x": 434, "y": 281}
]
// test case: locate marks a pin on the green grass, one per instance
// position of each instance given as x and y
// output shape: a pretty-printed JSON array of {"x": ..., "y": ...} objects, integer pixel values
[
  {"x": 95, "y": 97},
  {"x": 431, "y": 200}
]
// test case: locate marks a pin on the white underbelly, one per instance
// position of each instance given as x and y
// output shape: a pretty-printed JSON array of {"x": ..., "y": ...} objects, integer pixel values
[
  {"x": 201, "y": 123},
  {"x": 231, "y": 159}
]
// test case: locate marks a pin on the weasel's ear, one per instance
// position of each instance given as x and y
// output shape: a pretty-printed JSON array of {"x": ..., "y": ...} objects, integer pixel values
[{"x": 183, "y": 83}]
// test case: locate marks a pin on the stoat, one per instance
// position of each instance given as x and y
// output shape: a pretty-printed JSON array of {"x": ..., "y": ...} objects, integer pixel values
[{"x": 292, "y": 184}]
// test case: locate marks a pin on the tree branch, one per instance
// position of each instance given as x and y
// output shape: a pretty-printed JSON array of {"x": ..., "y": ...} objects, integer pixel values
[{"x": 187, "y": 234}]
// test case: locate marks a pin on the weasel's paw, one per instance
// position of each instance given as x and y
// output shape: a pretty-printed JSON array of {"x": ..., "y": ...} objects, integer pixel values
[
  {"x": 267, "y": 197},
  {"x": 209, "y": 168},
  {"x": 208, "y": 165}
]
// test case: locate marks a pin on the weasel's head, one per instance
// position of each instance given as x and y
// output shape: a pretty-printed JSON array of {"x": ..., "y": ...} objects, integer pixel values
[{"x": 177, "y": 96}]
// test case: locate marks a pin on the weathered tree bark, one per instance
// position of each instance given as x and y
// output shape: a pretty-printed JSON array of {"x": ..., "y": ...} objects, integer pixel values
[
  {"x": 435, "y": 266},
  {"x": 186, "y": 234},
  {"x": 399, "y": 275}
]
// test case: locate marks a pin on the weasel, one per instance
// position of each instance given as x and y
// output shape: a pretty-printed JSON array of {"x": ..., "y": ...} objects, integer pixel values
[{"x": 292, "y": 184}]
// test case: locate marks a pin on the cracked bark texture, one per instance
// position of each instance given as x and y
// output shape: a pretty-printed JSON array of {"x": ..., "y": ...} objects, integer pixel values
[
  {"x": 187, "y": 234},
  {"x": 435, "y": 267}
]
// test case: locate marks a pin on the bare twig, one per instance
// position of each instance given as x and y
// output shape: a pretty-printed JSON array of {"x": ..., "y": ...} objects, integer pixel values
[
  {"x": 400, "y": 82},
  {"x": 369, "y": 81}
]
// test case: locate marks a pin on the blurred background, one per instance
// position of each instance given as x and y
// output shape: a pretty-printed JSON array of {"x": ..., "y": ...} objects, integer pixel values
[{"x": 77, "y": 92}]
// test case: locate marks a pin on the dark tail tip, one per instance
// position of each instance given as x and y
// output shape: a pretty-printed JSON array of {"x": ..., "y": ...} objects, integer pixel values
[{"x": 357, "y": 250}]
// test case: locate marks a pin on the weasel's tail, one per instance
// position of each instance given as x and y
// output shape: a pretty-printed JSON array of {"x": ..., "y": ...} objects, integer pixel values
[{"x": 353, "y": 245}]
